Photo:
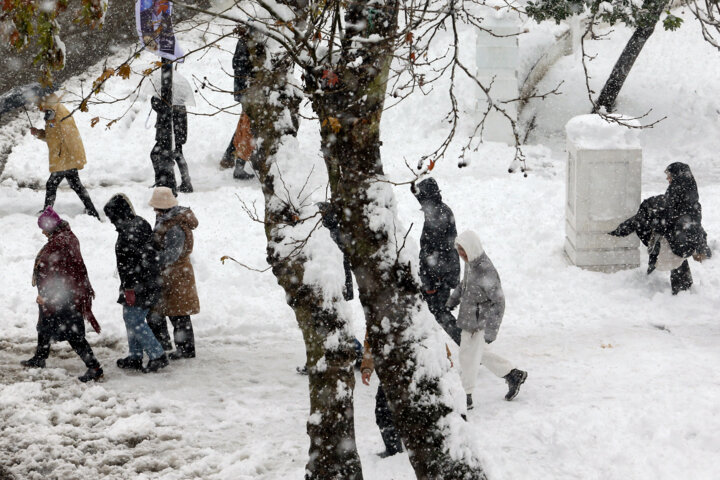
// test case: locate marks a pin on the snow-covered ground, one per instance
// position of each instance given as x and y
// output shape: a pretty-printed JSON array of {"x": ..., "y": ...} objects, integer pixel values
[{"x": 623, "y": 380}]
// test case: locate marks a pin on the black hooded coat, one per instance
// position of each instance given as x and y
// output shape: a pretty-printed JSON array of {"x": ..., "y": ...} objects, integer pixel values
[
  {"x": 439, "y": 261},
  {"x": 137, "y": 261}
]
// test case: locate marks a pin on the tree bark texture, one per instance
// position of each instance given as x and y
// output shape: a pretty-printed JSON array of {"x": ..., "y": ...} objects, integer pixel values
[
  {"x": 630, "y": 53},
  {"x": 333, "y": 452},
  {"x": 350, "y": 112}
]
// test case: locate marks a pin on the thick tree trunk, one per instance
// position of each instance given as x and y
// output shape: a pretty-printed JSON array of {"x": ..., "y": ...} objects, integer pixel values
[
  {"x": 333, "y": 453},
  {"x": 350, "y": 112},
  {"x": 630, "y": 53}
]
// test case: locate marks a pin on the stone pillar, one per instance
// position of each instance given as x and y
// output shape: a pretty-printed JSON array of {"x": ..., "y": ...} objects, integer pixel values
[
  {"x": 498, "y": 58},
  {"x": 603, "y": 188}
]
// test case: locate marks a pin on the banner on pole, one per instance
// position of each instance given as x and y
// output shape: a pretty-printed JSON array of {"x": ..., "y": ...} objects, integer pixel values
[{"x": 153, "y": 19}]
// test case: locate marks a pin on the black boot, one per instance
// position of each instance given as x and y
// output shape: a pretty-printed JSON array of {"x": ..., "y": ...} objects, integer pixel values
[
  {"x": 468, "y": 399},
  {"x": 179, "y": 354},
  {"x": 95, "y": 374},
  {"x": 157, "y": 364},
  {"x": 228, "y": 159},
  {"x": 130, "y": 363},
  {"x": 514, "y": 379},
  {"x": 186, "y": 183},
  {"x": 34, "y": 362},
  {"x": 240, "y": 173},
  {"x": 653, "y": 253}
]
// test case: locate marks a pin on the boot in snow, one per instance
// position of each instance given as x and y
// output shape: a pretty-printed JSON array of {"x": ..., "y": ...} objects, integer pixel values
[
  {"x": 514, "y": 379},
  {"x": 157, "y": 364},
  {"x": 92, "y": 374},
  {"x": 130, "y": 363},
  {"x": 33, "y": 362},
  {"x": 469, "y": 401},
  {"x": 239, "y": 173}
]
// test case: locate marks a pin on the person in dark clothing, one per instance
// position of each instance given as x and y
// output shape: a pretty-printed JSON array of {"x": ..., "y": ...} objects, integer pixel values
[
  {"x": 139, "y": 271},
  {"x": 180, "y": 128},
  {"x": 439, "y": 261},
  {"x": 162, "y": 155},
  {"x": 242, "y": 73},
  {"x": 383, "y": 414},
  {"x": 64, "y": 296},
  {"x": 670, "y": 226},
  {"x": 173, "y": 242}
]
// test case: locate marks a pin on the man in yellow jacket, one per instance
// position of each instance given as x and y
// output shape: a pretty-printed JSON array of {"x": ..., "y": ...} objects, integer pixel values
[{"x": 65, "y": 149}]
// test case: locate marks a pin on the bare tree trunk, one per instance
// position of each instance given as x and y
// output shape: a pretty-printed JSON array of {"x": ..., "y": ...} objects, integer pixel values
[
  {"x": 350, "y": 111},
  {"x": 333, "y": 453},
  {"x": 630, "y": 53}
]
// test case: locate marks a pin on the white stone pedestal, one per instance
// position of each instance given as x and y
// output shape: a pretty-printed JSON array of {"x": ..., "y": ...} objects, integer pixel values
[
  {"x": 603, "y": 189},
  {"x": 498, "y": 58}
]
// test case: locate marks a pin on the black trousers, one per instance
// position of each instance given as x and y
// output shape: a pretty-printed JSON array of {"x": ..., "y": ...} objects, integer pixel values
[
  {"x": 65, "y": 324},
  {"x": 163, "y": 162},
  {"x": 384, "y": 421},
  {"x": 183, "y": 333},
  {"x": 436, "y": 304},
  {"x": 73, "y": 180}
]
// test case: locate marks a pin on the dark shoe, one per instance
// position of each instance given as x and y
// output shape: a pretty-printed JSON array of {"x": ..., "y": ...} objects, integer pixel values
[
  {"x": 302, "y": 370},
  {"x": 94, "y": 374},
  {"x": 157, "y": 364},
  {"x": 185, "y": 187},
  {"x": 177, "y": 355},
  {"x": 514, "y": 379},
  {"x": 33, "y": 362},
  {"x": 625, "y": 228},
  {"x": 468, "y": 399},
  {"x": 130, "y": 363},
  {"x": 389, "y": 453},
  {"x": 242, "y": 175}
]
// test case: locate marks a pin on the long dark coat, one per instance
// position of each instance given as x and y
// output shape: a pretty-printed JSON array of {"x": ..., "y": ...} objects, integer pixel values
[{"x": 439, "y": 261}]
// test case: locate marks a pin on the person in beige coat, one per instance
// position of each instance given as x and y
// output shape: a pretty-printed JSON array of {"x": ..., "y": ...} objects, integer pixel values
[
  {"x": 173, "y": 242},
  {"x": 66, "y": 154}
]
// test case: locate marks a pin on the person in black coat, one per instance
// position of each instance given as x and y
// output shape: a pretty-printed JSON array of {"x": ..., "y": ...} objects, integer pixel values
[
  {"x": 139, "y": 271},
  {"x": 242, "y": 73},
  {"x": 439, "y": 261},
  {"x": 670, "y": 225}
]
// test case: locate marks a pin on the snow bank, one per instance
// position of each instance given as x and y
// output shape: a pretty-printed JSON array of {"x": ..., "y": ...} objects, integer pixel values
[{"x": 592, "y": 132}]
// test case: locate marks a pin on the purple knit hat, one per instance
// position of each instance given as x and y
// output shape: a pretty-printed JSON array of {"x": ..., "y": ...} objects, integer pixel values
[{"x": 49, "y": 220}]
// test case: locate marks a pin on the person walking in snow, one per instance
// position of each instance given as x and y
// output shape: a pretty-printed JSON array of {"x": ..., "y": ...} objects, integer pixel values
[
  {"x": 173, "y": 242},
  {"x": 482, "y": 306},
  {"x": 241, "y": 145},
  {"x": 66, "y": 154},
  {"x": 64, "y": 296},
  {"x": 670, "y": 226},
  {"x": 439, "y": 261},
  {"x": 139, "y": 283},
  {"x": 383, "y": 414}
]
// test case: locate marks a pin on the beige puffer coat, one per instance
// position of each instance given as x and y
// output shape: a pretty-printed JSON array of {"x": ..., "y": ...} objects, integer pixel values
[{"x": 65, "y": 147}]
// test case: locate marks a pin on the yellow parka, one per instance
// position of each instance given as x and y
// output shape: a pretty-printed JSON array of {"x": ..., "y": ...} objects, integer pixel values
[{"x": 65, "y": 146}]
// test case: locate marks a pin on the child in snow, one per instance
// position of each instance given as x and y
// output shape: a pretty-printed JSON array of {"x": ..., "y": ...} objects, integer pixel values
[
  {"x": 139, "y": 283},
  {"x": 482, "y": 305},
  {"x": 64, "y": 295},
  {"x": 670, "y": 226},
  {"x": 66, "y": 154}
]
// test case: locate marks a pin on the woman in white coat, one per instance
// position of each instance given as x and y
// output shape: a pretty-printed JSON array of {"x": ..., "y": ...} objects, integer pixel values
[{"x": 482, "y": 305}]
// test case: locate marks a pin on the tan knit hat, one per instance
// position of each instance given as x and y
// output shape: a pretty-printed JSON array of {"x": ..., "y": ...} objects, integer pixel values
[{"x": 163, "y": 199}]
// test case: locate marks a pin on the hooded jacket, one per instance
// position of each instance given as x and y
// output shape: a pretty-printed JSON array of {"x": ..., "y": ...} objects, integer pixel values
[
  {"x": 137, "y": 261},
  {"x": 439, "y": 261},
  {"x": 65, "y": 147},
  {"x": 480, "y": 294},
  {"x": 179, "y": 293}
]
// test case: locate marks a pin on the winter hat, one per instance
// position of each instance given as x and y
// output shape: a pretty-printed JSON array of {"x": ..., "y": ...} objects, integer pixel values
[
  {"x": 163, "y": 199},
  {"x": 470, "y": 242},
  {"x": 49, "y": 220},
  {"x": 119, "y": 208},
  {"x": 428, "y": 190}
]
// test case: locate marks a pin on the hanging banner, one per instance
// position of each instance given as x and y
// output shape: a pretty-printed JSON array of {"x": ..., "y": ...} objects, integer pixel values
[{"x": 153, "y": 19}]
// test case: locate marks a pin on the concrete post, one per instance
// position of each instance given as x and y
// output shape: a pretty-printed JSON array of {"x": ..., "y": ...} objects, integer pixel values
[
  {"x": 603, "y": 188},
  {"x": 498, "y": 58}
]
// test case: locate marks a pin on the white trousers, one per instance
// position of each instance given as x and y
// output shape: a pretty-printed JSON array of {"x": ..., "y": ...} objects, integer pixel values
[{"x": 473, "y": 353}]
